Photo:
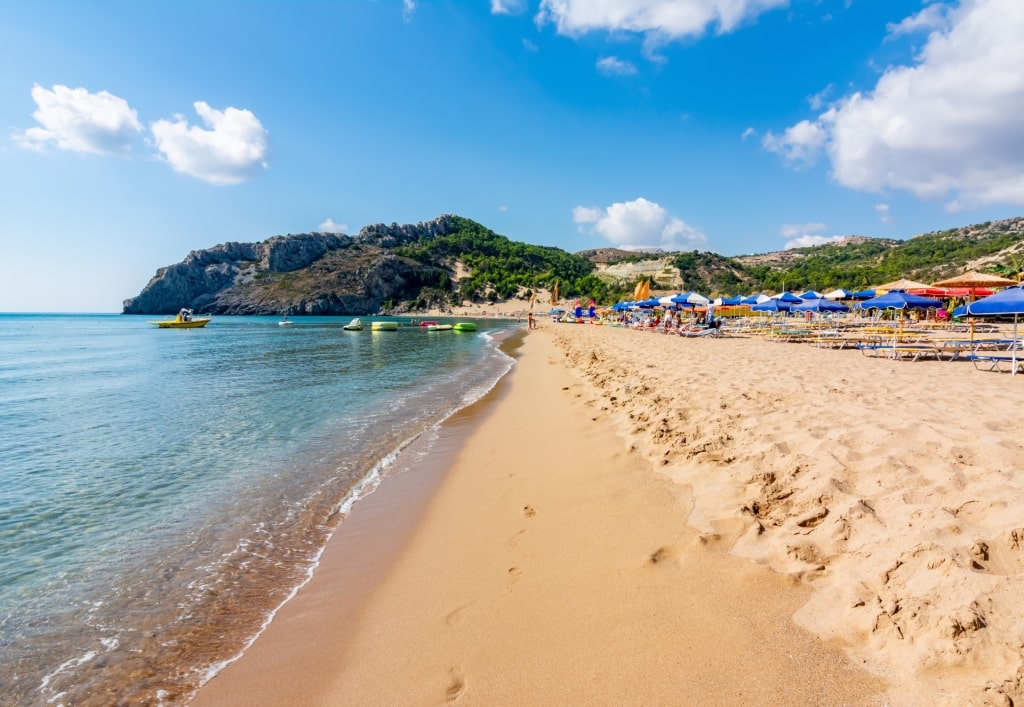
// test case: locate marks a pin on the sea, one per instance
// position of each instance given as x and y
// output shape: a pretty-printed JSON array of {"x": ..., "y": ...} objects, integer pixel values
[{"x": 164, "y": 492}]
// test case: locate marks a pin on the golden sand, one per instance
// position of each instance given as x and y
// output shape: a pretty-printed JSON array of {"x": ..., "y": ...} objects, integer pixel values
[{"x": 648, "y": 519}]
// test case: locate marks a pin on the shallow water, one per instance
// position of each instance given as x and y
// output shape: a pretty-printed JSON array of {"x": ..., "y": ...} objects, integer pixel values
[{"x": 164, "y": 491}]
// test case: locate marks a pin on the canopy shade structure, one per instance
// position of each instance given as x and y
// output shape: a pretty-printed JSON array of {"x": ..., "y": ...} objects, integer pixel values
[
  {"x": 787, "y": 297},
  {"x": 864, "y": 294},
  {"x": 1009, "y": 301},
  {"x": 810, "y": 294},
  {"x": 691, "y": 298},
  {"x": 974, "y": 279},
  {"x": 820, "y": 304},
  {"x": 772, "y": 305},
  {"x": 902, "y": 284},
  {"x": 839, "y": 293},
  {"x": 898, "y": 299},
  {"x": 755, "y": 299}
]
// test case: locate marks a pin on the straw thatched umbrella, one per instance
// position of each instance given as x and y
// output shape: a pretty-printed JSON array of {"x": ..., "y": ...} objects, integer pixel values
[
  {"x": 972, "y": 279},
  {"x": 902, "y": 284}
]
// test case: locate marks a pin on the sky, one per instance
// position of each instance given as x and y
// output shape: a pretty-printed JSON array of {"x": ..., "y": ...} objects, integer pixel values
[{"x": 136, "y": 132}]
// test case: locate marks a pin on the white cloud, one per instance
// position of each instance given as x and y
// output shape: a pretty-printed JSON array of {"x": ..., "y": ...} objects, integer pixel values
[
  {"x": 329, "y": 226},
  {"x": 408, "y": 9},
  {"x": 791, "y": 230},
  {"x": 819, "y": 99},
  {"x": 639, "y": 224},
  {"x": 883, "y": 213},
  {"x": 805, "y": 235},
  {"x": 529, "y": 46},
  {"x": 749, "y": 132},
  {"x": 800, "y": 145},
  {"x": 932, "y": 17},
  {"x": 808, "y": 241},
  {"x": 507, "y": 7},
  {"x": 74, "y": 119},
  {"x": 231, "y": 151},
  {"x": 611, "y": 65},
  {"x": 502, "y": 208},
  {"x": 658, "y": 19},
  {"x": 947, "y": 127}
]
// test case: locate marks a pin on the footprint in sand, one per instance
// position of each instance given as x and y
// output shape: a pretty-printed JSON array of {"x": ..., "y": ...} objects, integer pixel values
[
  {"x": 514, "y": 540},
  {"x": 456, "y": 615},
  {"x": 456, "y": 684},
  {"x": 514, "y": 573},
  {"x": 529, "y": 512}
]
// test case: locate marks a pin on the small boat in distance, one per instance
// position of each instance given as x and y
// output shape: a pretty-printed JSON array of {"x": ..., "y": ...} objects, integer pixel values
[
  {"x": 464, "y": 326},
  {"x": 439, "y": 327},
  {"x": 184, "y": 320},
  {"x": 384, "y": 326},
  {"x": 285, "y": 321},
  {"x": 354, "y": 325}
]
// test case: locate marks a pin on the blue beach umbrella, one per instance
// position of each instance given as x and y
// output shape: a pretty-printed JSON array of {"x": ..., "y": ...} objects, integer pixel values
[
  {"x": 788, "y": 297},
  {"x": 863, "y": 294},
  {"x": 900, "y": 299},
  {"x": 820, "y": 304},
  {"x": 810, "y": 294},
  {"x": 1009, "y": 301},
  {"x": 753, "y": 299},
  {"x": 772, "y": 305}
]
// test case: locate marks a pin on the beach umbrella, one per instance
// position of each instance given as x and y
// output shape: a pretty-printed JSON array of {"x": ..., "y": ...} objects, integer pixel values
[
  {"x": 1009, "y": 301},
  {"x": 772, "y": 305},
  {"x": 972, "y": 279},
  {"x": 787, "y": 297},
  {"x": 666, "y": 301},
  {"x": 820, "y": 304},
  {"x": 864, "y": 294},
  {"x": 839, "y": 293},
  {"x": 752, "y": 299},
  {"x": 902, "y": 284},
  {"x": 729, "y": 301},
  {"x": 692, "y": 298},
  {"x": 900, "y": 300},
  {"x": 810, "y": 294}
]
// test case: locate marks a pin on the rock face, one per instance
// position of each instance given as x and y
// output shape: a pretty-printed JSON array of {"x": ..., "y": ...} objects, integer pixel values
[{"x": 309, "y": 273}]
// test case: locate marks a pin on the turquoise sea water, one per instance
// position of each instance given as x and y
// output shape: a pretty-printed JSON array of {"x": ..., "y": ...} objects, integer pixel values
[{"x": 162, "y": 492}]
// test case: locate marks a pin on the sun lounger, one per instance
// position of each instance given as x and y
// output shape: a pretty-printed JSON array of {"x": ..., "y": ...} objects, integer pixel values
[{"x": 1003, "y": 363}]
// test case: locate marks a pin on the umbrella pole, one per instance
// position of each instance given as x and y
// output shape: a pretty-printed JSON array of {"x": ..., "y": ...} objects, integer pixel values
[{"x": 1013, "y": 371}]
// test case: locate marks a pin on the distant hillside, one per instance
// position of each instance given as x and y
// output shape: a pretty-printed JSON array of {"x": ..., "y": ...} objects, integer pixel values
[
  {"x": 452, "y": 260},
  {"x": 385, "y": 268},
  {"x": 854, "y": 262}
]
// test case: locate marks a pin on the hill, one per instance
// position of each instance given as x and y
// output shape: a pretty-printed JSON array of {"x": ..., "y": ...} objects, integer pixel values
[
  {"x": 854, "y": 262},
  {"x": 451, "y": 260}
]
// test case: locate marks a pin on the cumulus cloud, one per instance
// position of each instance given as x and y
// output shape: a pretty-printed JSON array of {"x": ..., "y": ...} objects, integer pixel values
[
  {"x": 946, "y": 127},
  {"x": 658, "y": 19},
  {"x": 611, "y": 65},
  {"x": 74, "y": 119},
  {"x": 805, "y": 235},
  {"x": 638, "y": 224},
  {"x": 932, "y": 17},
  {"x": 329, "y": 226},
  {"x": 507, "y": 7},
  {"x": 800, "y": 145},
  {"x": 229, "y": 150}
]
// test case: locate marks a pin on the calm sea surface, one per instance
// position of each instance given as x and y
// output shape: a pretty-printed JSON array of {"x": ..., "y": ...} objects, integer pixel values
[{"x": 162, "y": 492}]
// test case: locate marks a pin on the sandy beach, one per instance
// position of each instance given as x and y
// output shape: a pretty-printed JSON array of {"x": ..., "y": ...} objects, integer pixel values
[{"x": 638, "y": 518}]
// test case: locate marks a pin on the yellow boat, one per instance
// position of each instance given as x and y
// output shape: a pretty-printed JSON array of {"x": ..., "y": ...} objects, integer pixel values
[
  {"x": 184, "y": 320},
  {"x": 384, "y": 326}
]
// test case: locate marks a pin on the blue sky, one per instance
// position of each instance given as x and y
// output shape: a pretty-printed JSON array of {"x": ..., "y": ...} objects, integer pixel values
[{"x": 135, "y": 132}]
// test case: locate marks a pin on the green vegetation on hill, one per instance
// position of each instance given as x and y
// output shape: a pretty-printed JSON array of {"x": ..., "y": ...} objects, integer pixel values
[
  {"x": 501, "y": 268},
  {"x": 859, "y": 262}
]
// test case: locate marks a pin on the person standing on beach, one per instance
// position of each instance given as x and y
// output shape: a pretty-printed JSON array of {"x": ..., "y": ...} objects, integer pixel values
[{"x": 530, "y": 322}]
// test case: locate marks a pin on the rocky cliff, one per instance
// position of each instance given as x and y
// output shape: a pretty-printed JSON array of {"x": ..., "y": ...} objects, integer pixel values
[{"x": 309, "y": 273}]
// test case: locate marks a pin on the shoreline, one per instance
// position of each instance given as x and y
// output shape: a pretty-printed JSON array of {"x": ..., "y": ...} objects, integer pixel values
[{"x": 549, "y": 563}]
